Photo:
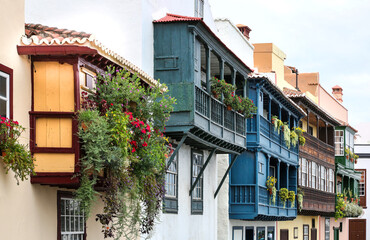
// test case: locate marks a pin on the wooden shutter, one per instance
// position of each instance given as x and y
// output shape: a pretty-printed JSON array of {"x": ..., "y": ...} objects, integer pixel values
[{"x": 313, "y": 234}]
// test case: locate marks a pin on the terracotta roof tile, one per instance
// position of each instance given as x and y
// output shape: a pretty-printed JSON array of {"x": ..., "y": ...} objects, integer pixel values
[
  {"x": 40, "y": 35},
  {"x": 176, "y": 18},
  {"x": 293, "y": 93}
]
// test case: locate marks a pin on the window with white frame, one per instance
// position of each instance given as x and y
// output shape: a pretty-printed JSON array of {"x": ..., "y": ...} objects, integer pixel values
[
  {"x": 4, "y": 94},
  {"x": 170, "y": 200},
  {"x": 349, "y": 140},
  {"x": 339, "y": 142},
  {"x": 309, "y": 173},
  {"x": 323, "y": 179},
  {"x": 331, "y": 181},
  {"x": 313, "y": 183},
  {"x": 361, "y": 187},
  {"x": 327, "y": 228},
  {"x": 199, "y": 8},
  {"x": 197, "y": 194},
  {"x": 304, "y": 172},
  {"x": 71, "y": 218},
  {"x": 318, "y": 177}
]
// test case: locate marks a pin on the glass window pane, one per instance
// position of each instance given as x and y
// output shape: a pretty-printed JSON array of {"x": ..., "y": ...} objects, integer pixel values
[
  {"x": 3, "y": 86},
  {"x": 3, "y": 104}
]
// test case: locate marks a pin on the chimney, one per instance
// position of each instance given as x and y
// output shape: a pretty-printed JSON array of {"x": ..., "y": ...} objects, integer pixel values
[
  {"x": 338, "y": 93},
  {"x": 244, "y": 29}
]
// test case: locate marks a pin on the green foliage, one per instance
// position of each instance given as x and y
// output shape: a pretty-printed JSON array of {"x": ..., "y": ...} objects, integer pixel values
[
  {"x": 293, "y": 138},
  {"x": 300, "y": 195},
  {"x": 340, "y": 207},
  {"x": 273, "y": 195},
  {"x": 121, "y": 132},
  {"x": 286, "y": 132},
  {"x": 16, "y": 156},
  {"x": 352, "y": 209},
  {"x": 283, "y": 194},
  {"x": 242, "y": 105},
  {"x": 291, "y": 198},
  {"x": 277, "y": 123}
]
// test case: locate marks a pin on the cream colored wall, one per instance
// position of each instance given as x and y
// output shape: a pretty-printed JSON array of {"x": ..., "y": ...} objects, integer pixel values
[
  {"x": 298, "y": 222},
  {"x": 28, "y": 211}
]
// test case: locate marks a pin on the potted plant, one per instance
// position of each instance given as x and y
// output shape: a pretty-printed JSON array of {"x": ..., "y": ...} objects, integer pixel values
[
  {"x": 301, "y": 139},
  {"x": 283, "y": 194},
  {"x": 217, "y": 87},
  {"x": 247, "y": 107},
  {"x": 16, "y": 156},
  {"x": 291, "y": 198},
  {"x": 340, "y": 207},
  {"x": 277, "y": 123},
  {"x": 347, "y": 151}
]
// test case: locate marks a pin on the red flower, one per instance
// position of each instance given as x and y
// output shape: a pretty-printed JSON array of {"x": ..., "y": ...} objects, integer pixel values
[
  {"x": 145, "y": 144},
  {"x": 143, "y": 131},
  {"x": 111, "y": 104},
  {"x": 148, "y": 136},
  {"x": 133, "y": 150},
  {"x": 133, "y": 142},
  {"x": 147, "y": 128}
]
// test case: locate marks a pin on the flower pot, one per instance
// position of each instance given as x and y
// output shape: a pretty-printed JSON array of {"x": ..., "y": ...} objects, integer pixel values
[
  {"x": 229, "y": 108},
  {"x": 351, "y": 199},
  {"x": 84, "y": 126},
  {"x": 3, "y": 153},
  {"x": 345, "y": 199},
  {"x": 347, "y": 157},
  {"x": 270, "y": 191},
  {"x": 342, "y": 208}
]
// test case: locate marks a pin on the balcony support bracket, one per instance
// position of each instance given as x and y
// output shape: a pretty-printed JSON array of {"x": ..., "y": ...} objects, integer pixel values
[
  {"x": 226, "y": 173},
  {"x": 176, "y": 151},
  {"x": 201, "y": 171}
]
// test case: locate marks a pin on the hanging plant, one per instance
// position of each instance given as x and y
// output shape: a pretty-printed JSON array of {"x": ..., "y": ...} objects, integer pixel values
[
  {"x": 273, "y": 195},
  {"x": 293, "y": 138},
  {"x": 291, "y": 198},
  {"x": 283, "y": 194},
  {"x": 129, "y": 147},
  {"x": 299, "y": 131},
  {"x": 277, "y": 123},
  {"x": 217, "y": 87},
  {"x": 286, "y": 132},
  {"x": 16, "y": 156},
  {"x": 340, "y": 207},
  {"x": 300, "y": 195}
]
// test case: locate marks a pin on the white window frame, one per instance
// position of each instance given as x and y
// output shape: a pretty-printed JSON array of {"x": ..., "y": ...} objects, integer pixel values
[
  {"x": 304, "y": 172},
  {"x": 314, "y": 178},
  {"x": 197, "y": 193},
  {"x": 323, "y": 179},
  {"x": 339, "y": 143},
  {"x": 199, "y": 8},
  {"x": 362, "y": 184},
  {"x": 7, "y": 98},
  {"x": 309, "y": 173},
  {"x": 66, "y": 234},
  {"x": 171, "y": 182}
]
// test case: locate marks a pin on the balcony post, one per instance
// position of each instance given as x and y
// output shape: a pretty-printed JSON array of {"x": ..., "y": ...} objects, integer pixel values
[
  {"x": 233, "y": 77},
  {"x": 280, "y": 111},
  {"x": 287, "y": 176},
  {"x": 318, "y": 127},
  {"x": 289, "y": 115},
  {"x": 278, "y": 174},
  {"x": 245, "y": 88},
  {"x": 222, "y": 69},
  {"x": 256, "y": 153},
  {"x": 308, "y": 121},
  {"x": 268, "y": 165},
  {"x": 326, "y": 132},
  {"x": 269, "y": 116},
  {"x": 208, "y": 73}
]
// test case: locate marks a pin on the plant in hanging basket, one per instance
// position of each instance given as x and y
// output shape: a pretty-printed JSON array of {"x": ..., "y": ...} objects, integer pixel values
[
  {"x": 283, "y": 194},
  {"x": 217, "y": 87},
  {"x": 291, "y": 198},
  {"x": 16, "y": 156}
]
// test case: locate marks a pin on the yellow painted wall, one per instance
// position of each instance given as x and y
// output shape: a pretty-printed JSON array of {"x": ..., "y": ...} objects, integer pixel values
[
  {"x": 54, "y": 162},
  {"x": 53, "y": 87},
  {"x": 304, "y": 127},
  {"x": 298, "y": 222}
]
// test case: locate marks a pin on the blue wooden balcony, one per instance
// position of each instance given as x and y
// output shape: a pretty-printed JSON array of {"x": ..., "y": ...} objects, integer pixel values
[
  {"x": 266, "y": 137},
  {"x": 243, "y": 204}
]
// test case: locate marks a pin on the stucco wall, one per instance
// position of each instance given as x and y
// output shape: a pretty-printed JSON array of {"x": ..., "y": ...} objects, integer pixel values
[
  {"x": 223, "y": 198},
  {"x": 184, "y": 225},
  {"x": 232, "y": 37},
  {"x": 298, "y": 222},
  {"x": 332, "y": 106},
  {"x": 125, "y": 26}
]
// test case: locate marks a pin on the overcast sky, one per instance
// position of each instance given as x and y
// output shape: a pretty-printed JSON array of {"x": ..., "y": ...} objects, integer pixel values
[{"x": 331, "y": 37}]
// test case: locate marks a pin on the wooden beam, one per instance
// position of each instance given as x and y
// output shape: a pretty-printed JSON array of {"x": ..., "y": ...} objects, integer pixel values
[
  {"x": 201, "y": 171},
  {"x": 200, "y": 140},
  {"x": 176, "y": 150},
  {"x": 224, "y": 177}
]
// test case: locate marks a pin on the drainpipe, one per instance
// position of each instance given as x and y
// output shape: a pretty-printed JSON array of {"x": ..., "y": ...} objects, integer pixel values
[{"x": 296, "y": 79}]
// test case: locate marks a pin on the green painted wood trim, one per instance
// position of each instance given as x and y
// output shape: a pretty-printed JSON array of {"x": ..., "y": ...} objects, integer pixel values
[
  {"x": 176, "y": 151},
  {"x": 224, "y": 177}
]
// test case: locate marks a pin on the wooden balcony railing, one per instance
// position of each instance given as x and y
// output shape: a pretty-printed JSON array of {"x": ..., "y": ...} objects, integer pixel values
[{"x": 217, "y": 112}]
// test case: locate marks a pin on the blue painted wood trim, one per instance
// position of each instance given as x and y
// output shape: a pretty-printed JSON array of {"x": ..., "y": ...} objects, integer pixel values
[{"x": 256, "y": 190}]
